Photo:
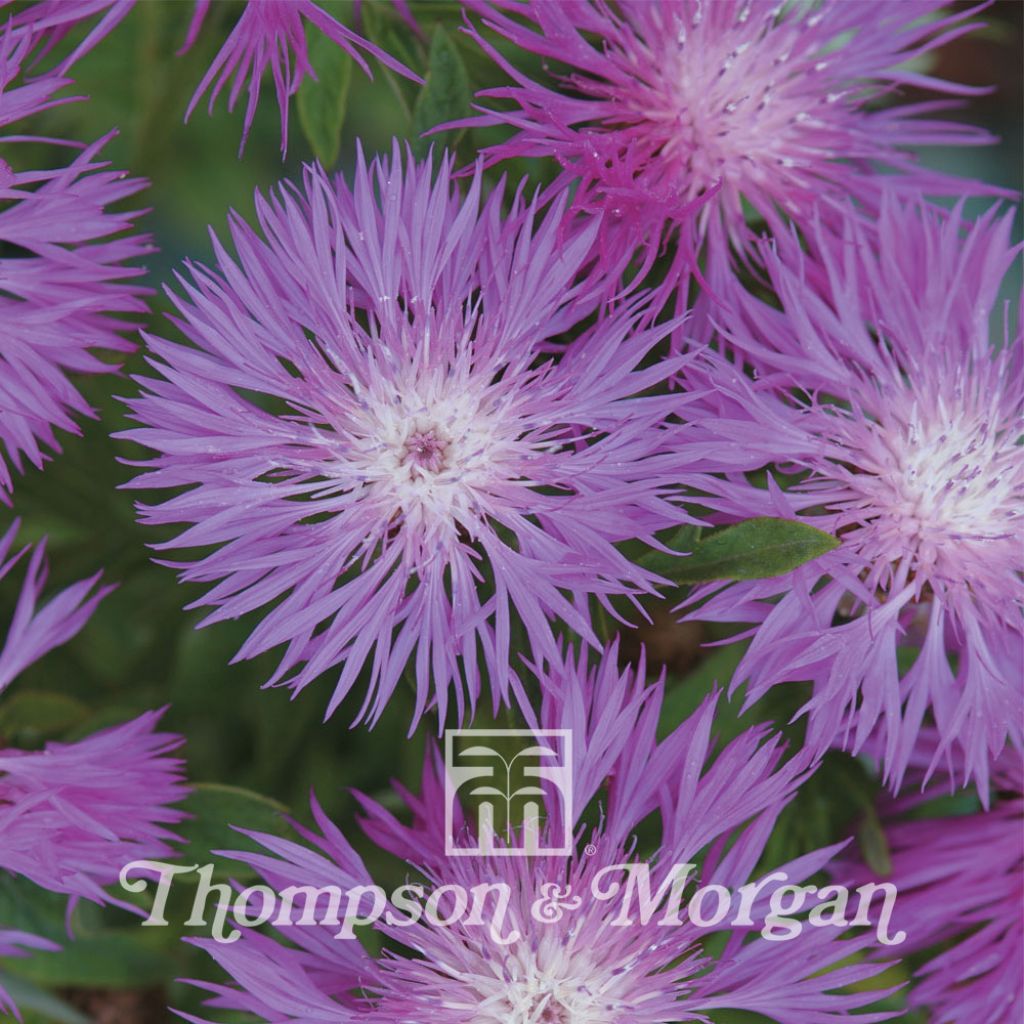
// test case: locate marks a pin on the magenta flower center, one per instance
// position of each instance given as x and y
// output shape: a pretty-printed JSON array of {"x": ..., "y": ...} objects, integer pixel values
[
  {"x": 427, "y": 450},
  {"x": 732, "y": 104}
]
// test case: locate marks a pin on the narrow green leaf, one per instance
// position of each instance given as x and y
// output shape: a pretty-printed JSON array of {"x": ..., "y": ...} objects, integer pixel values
[
  {"x": 117, "y": 958},
  {"x": 753, "y": 550},
  {"x": 215, "y": 808},
  {"x": 32, "y": 715},
  {"x": 874, "y": 845},
  {"x": 683, "y": 540},
  {"x": 30, "y": 998},
  {"x": 321, "y": 101},
  {"x": 447, "y": 94}
]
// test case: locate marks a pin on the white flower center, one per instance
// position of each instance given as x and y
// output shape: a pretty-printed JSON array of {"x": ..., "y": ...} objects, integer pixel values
[
  {"x": 431, "y": 447},
  {"x": 944, "y": 487},
  {"x": 950, "y": 482},
  {"x": 556, "y": 984}
]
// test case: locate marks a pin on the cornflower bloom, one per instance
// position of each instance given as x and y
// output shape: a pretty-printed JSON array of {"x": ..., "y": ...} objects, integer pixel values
[
  {"x": 961, "y": 885},
  {"x": 48, "y": 22},
  {"x": 375, "y": 442},
  {"x": 271, "y": 34},
  {"x": 73, "y": 813},
  {"x": 681, "y": 118},
  {"x": 893, "y": 424},
  {"x": 67, "y": 283},
  {"x": 555, "y": 954}
]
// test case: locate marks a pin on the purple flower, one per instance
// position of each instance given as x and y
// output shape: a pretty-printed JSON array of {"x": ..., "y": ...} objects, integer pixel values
[
  {"x": 73, "y": 813},
  {"x": 521, "y": 968},
  {"x": 377, "y": 447},
  {"x": 67, "y": 288},
  {"x": 773, "y": 105},
  {"x": 34, "y": 630},
  {"x": 14, "y": 944},
  {"x": 47, "y": 22},
  {"x": 895, "y": 426},
  {"x": 961, "y": 885},
  {"x": 272, "y": 34}
]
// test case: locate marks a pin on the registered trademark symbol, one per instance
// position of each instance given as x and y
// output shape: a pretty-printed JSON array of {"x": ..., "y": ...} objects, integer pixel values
[{"x": 590, "y": 849}]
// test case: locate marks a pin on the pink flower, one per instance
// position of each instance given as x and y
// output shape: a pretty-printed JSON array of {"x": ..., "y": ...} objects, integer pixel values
[
  {"x": 271, "y": 34},
  {"x": 34, "y": 629},
  {"x": 895, "y": 426},
  {"x": 73, "y": 813},
  {"x": 68, "y": 292},
  {"x": 47, "y": 22},
  {"x": 423, "y": 474},
  {"x": 683, "y": 115},
  {"x": 961, "y": 886},
  {"x": 666, "y": 803}
]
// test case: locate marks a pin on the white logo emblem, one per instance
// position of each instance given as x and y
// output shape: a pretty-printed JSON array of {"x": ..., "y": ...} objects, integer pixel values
[{"x": 514, "y": 787}]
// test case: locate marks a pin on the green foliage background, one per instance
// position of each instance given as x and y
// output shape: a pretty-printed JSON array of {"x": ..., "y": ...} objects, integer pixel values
[{"x": 252, "y": 753}]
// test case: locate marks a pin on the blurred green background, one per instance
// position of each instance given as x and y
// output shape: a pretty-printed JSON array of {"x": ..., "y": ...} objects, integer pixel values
[{"x": 252, "y": 755}]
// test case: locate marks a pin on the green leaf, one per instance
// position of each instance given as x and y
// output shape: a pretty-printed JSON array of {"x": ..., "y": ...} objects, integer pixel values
[
  {"x": 753, "y": 550},
  {"x": 215, "y": 808},
  {"x": 28, "y": 998},
  {"x": 665, "y": 564},
  {"x": 874, "y": 845},
  {"x": 322, "y": 100},
  {"x": 117, "y": 958},
  {"x": 447, "y": 94},
  {"x": 834, "y": 802},
  {"x": 33, "y": 715}
]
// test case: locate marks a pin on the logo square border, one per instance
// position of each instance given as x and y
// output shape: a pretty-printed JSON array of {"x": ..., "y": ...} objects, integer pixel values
[{"x": 450, "y": 795}]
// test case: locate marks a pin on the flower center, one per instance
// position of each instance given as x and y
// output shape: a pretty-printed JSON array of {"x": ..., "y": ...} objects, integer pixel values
[
  {"x": 945, "y": 483},
  {"x": 540, "y": 1001},
  {"x": 554, "y": 1013},
  {"x": 426, "y": 450},
  {"x": 942, "y": 488},
  {"x": 951, "y": 480},
  {"x": 552, "y": 985},
  {"x": 429, "y": 444},
  {"x": 735, "y": 101}
]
